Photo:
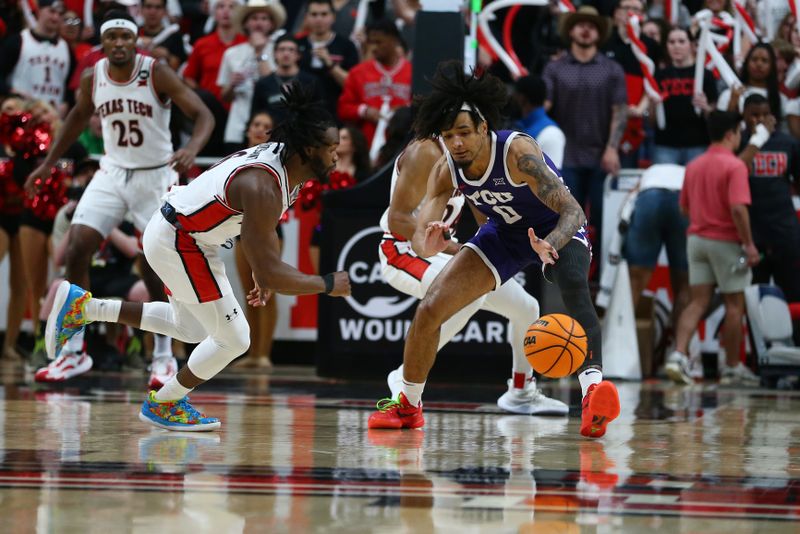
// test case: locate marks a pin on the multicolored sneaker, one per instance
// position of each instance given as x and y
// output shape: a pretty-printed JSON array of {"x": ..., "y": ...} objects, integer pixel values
[
  {"x": 66, "y": 318},
  {"x": 600, "y": 407},
  {"x": 176, "y": 415},
  {"x": 396, "y": 414}
]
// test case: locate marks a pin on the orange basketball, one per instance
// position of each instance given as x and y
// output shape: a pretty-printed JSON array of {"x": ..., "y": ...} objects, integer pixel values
[{"x": 555, "y": 345}]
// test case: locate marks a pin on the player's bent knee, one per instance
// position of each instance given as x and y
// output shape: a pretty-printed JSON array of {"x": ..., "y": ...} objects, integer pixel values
[
  {"x": 235, "y": 339},
  {"x": 429, "y": 313}
]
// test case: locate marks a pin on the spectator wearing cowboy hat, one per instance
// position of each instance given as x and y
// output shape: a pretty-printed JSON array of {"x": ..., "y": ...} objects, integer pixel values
[
  {"x": 587, "y": 97},
  {"x": 243, "y": 64}
]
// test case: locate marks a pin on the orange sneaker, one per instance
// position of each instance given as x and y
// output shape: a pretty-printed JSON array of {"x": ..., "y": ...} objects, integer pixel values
[
  {"x": 396, "y": 414},
  {"x": 600, "y": 407}
]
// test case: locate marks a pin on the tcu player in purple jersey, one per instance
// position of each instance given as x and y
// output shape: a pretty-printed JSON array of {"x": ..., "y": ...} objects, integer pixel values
[{"x": 530, "y": 218}]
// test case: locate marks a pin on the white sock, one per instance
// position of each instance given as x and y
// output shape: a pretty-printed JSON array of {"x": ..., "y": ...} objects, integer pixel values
[
  {"x": 588, "y": 377},
  {"x": 104, "y": 310},
  {"x": 75, "y": 343},
  {"x": 162, "y": 346},
  {"x": 172, "y": 391},
  {"x": 413, "y": 392}
]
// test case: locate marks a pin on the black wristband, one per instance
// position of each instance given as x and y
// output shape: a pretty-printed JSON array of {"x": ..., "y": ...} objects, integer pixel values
[{"x": 328, "y": 279}]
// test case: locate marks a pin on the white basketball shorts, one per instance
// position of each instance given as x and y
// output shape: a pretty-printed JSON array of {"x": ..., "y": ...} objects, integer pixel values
[
  {"x": 404, "y": 270},
  {"x": 192, "y": 272},
  {"x": 115, "y": 192}
]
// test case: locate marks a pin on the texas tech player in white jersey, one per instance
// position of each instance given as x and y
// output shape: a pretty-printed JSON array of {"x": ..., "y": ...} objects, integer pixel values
[
  {"x": 452, "y": 211},
  {"x": 202, "y": 208},
  {"x": 42, "y": 69},
  {"x": 182, "y": 240},
  {"x": 135, "y": 121},
  {"x": 401, "y": 267}
]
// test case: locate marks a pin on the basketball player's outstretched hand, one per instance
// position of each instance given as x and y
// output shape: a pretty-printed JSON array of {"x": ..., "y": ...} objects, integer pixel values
[
  {"x": 547, "y": 252},
  {"x": 35, "y": 179},
  {"x": 341, "y": 284},
  {"x": 182, "y": 160},
  {"x": 437, "y": 235},
  {"x": 258, "y": 296}
]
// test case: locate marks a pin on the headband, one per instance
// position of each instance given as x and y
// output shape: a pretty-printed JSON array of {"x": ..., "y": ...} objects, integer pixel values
[
  {"x": 119, "y": 23},
  {"x": 472, "y": 109}
]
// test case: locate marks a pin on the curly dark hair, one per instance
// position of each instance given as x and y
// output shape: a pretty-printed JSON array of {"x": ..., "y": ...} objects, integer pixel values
[
  {"x": 305, "y": 124},
  {"x": 452, "y": 87}
]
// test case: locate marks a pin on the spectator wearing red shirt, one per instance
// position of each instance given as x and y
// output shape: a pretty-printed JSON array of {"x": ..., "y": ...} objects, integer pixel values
[
  {"x": 203, "y": 64},
  {"x": 386, "y": 76},
  {"x": 202, "y": 70},
  {"x": 720, "y": 247}
]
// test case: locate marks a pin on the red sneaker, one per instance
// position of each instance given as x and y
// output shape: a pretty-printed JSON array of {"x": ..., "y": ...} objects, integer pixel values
[
  {"x": 396, "y": 414},
  {"x": 600, "y": 407}
]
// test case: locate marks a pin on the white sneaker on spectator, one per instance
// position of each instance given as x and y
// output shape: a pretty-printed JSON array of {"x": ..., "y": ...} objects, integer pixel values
[
  {"x": 162, "y": 369},
  {"x": 66, "y": 366},
  {"x": 678, "y": 368},
  {"x": 741, "y": 375},
  {"x": 530, "y": 401},
  {"x": 696, "y": 368},
  {"x": 395, "y": 381}
]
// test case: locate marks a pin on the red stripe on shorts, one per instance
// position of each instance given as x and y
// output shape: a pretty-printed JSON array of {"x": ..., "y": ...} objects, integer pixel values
[
  {"x": 408, "y": 263},
  {"x": 206, "y": 218},
  {"x": 197, "y": 268}
]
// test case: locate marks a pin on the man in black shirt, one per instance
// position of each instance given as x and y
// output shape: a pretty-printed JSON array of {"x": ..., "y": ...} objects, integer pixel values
[
  {"x": 773, "y": 167},
  {"x": 325, "y": 54},
  {"x": 267, "y": 91}
]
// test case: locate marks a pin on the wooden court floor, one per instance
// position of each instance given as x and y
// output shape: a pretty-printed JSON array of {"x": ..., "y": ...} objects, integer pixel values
[{"x": 294, "y": 455}]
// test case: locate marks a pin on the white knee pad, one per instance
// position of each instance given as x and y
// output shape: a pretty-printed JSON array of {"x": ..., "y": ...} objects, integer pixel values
[
  {"x": 228, "y": 336},
  {"x": 233, "y": 337},
  {"x": 171, "y": 319}
]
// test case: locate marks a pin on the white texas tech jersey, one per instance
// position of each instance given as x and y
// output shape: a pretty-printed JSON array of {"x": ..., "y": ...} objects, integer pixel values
[
  {"x": 135, "y": 121},
  {"x": 202, "y": 206},
  {"x": 451, "y": 213},
  {"x": 42, "y": 69}
]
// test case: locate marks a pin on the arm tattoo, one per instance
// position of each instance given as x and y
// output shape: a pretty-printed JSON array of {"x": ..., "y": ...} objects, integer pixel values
[
  {"x": 552, "y": 192},
  {"x": 619, "y": 120}
]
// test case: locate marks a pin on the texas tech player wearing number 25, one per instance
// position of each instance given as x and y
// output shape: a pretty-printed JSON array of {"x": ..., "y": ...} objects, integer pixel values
[{"x": 132, "y": 94}]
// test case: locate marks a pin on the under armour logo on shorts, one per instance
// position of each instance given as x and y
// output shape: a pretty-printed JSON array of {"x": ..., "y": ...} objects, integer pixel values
[{"x": 233, "y": 315}]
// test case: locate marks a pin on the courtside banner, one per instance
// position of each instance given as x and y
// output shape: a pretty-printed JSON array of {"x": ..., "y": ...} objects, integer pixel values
[{"x": 364, "y": 334}]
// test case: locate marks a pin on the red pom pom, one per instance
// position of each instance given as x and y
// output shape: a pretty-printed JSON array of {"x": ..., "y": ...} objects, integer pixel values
[
  {"x": 310, "y": 194},
  {"x": 341, "y": 180},
  {"x": 51, "y": 196},
  {"x": 24, "y": 138}
]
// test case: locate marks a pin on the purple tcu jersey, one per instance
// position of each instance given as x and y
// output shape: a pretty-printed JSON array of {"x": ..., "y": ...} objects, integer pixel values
[
  {"x": 496, "y": 196},
  {"x": 502, "y": 243}
]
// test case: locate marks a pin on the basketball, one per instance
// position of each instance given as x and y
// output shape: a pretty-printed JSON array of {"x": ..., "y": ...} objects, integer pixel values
[{"x": 555, "y": 345}]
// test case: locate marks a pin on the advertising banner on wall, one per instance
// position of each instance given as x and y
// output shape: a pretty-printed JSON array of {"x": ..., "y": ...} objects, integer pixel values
[{"x": 364, "y": 333}]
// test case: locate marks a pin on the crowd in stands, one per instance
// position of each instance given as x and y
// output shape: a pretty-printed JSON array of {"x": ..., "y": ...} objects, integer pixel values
[{"x": 584, "y": 100}]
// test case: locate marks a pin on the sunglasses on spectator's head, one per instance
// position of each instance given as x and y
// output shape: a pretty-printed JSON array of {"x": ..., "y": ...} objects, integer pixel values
[{"x": 72, "y": 21}]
